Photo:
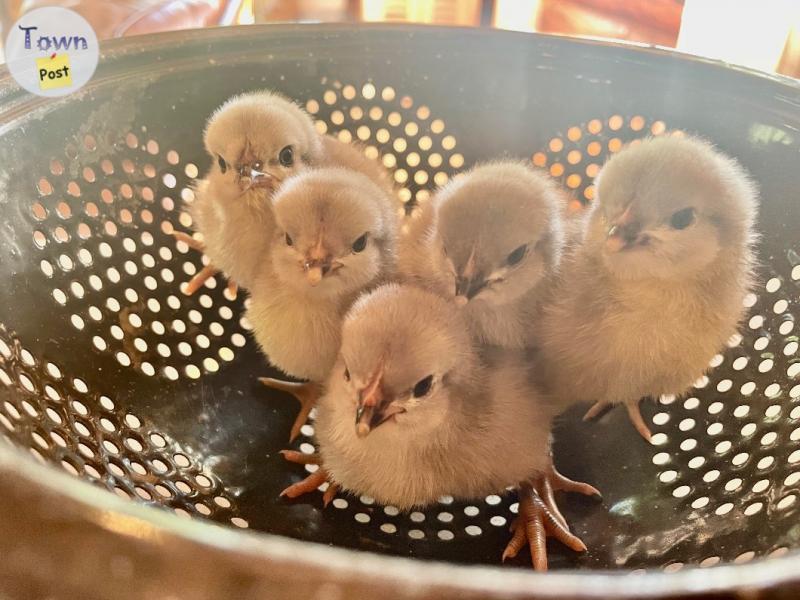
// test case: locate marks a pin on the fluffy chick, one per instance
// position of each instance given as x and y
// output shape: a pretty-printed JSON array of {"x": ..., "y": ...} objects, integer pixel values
[
  {"x": 413, "y": 412},
  {"x": 334, "y": 237},
  {"x": 488, "y": 239},
  {"x": 657, "y": 286},
  {"x": 256, "y": 141}
]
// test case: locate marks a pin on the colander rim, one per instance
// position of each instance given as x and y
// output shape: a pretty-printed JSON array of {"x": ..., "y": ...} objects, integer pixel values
[{"x": 97, "y": 503}]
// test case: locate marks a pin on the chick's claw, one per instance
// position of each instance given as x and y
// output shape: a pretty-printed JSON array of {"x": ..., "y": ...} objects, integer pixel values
[
  {"x": 634, "y": 414},
  {"x": 206, "y": 273},
  {"x": 306, "y": 486},
  {"x": 597, "y": 409},
  {"x": 546, "y": 491},
  {"x": 539, "y": 516},
  {"x": 559, "y": 482},
  {"x": 306, "y": 393},
  {"x": 301, "y": 458},
  {"x": 196, "y": 282},
  {"x": 313, "y": 481},
  {"x": 536, "y": 521},
  {"x": 187, "y": 239}
]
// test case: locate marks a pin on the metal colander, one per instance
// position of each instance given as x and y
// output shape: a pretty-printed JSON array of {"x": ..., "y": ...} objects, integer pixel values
[{"x": 112, "y": 375}]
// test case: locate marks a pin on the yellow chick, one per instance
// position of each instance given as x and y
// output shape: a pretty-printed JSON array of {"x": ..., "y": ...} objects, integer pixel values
[
  {"x": 256, "y": 141},
  {"x": 334, "y": 237},
  {"x": 488, "y": 239},
  {"x": 414, "y": 411},
  {"x": 657, "y": 286}
]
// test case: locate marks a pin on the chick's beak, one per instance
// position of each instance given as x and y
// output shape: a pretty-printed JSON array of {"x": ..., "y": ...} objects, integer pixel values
[
  {"x": 467, "y": 289},
  {"x": 261, "y": 179},
  {"x": 470, "y": 281},
  {"x": 251, "y": 178},
  {"x": 374, "y": 406},
  {"x": 316, "y": 270},
  {"x": 624, "y": 233},
  {"x": 318, "y": 263}
]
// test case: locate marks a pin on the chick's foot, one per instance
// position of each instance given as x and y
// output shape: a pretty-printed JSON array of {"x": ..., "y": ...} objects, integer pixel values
[
  {"x": 306, "y": 393},
  {"x": 207, "y": 272},
  {"x": 313, "y": 481},
  {"x": 540, "y": 517},
  {"x": 187, "y": 239},
  {"x": 634, "y": 414}
]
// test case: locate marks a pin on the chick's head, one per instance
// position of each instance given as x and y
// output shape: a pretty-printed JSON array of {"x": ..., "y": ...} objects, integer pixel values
[
  {"x": 404, "y": 351},
  {"x": 332, "y": 236},
  {"x": 257, "y": 140},
  {"x": 668, "y": 207},
  {"x": 500, "y": 231}
]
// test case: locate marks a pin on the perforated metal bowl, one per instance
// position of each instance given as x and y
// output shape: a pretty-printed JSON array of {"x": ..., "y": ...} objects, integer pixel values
[{"x": 115, "y": 377}]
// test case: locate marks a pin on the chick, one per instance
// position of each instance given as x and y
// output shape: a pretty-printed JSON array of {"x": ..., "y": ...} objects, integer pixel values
[
  {"x": 256, "y": 141},
  {"x": 413, "y": 412},
  {"x": 334, "y": 237},
  {"x": 488, "y": 239},
  {"x": 657, "y": 286}
]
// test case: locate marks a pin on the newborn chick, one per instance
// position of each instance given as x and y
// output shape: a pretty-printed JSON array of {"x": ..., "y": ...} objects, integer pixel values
[
  {"x": 334, "y": 237},
  {"x": 256, "y": 141},
  {"x": 494, "y": 235},
  {"x": 656, "y": 288},
  {"x": 412, "y": 412}
]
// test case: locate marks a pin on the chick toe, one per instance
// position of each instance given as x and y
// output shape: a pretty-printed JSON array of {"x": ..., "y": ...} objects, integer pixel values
[
  {"x": 313, "y": 481},
  {"x": 196, "y": 282},
  {"x": 540, "y": 517},
  {"x": 635, "y": 415},
  {"x": 306, "y": 393},
  {"x": 187, "y": 239}
]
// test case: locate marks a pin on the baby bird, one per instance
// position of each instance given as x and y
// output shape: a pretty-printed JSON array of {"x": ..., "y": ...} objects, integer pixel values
[
  {"x": 413, "y": 412},
  {"x": 656, "y": 287},
  {"x": 488, "y": 239},
  {"x": 334, "y": 237},
  {"x": 256, "y": 141}
]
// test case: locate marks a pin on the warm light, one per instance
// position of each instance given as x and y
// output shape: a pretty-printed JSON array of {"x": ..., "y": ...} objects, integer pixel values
[
  {"x": 516, "y": 15},
  {"x": 246, "y": 15},
  {"x": 129, "y": 526},
  {"x": 445, "y": 12},
  {"x": 744, "y": 33}
]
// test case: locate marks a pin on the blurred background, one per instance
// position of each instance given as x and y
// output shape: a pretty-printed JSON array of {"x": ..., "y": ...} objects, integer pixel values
[{"x": 762, "y": 34}]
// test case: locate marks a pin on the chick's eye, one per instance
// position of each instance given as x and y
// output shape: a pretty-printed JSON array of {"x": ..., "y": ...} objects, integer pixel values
[
  {"x": 286, "y": 156},
  {"x": 288, "y": 238},
  {"x": 682, "y": 218},
  {"x": 423, "y": 387},
  {"x": 517, "y": 255},
  {"x": 360, "y": 243},
  {"x": 223, "y": 166}
]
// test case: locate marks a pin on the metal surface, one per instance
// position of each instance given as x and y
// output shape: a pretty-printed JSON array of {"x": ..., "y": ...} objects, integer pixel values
[{"x": 113, "y": 375}]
